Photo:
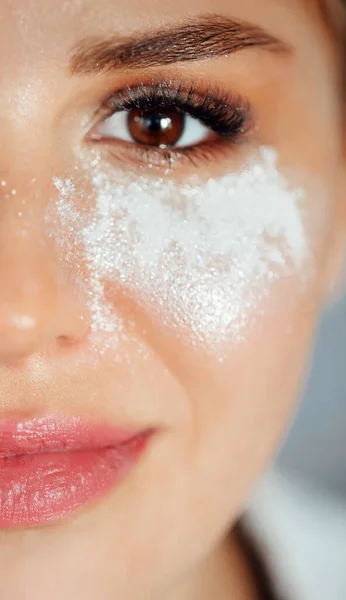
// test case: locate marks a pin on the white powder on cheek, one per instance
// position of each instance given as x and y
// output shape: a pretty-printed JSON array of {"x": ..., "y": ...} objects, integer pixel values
[
  {"x": 72, "y": 240},
  {"x": 200, "y": 256}
]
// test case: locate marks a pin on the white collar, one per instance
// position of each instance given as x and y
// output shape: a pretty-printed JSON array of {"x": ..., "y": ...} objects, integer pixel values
[{"x": 300, "y": 532}]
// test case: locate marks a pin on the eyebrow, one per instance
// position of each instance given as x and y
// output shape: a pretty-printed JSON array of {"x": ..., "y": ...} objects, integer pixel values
[{"x": 198, "y": 39}]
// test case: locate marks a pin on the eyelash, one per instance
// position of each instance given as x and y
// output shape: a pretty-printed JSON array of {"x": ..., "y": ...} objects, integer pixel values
[{"x": 227, "y": 115}]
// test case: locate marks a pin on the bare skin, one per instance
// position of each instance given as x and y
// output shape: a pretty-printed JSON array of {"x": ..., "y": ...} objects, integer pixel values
[{"x": 163, "y": 535}]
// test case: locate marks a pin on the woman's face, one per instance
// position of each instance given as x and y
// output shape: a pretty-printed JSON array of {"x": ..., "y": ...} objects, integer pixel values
[{"x": 170, "y": 225}]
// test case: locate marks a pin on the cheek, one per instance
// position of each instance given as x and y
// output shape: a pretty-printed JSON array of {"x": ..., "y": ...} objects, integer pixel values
[
  {"x": 246, "y": 399},
  {"x": 220, "y": 280},
  {"x": 199, "y": 263},
  {"x": 241, "y": 407}
]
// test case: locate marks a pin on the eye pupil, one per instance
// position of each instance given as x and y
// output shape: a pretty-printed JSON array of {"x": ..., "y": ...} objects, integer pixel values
[{"x": 156, "y": 128}]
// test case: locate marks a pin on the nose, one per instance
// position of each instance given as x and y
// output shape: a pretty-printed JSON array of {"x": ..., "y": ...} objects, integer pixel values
[{"x": 41, "y": 308}]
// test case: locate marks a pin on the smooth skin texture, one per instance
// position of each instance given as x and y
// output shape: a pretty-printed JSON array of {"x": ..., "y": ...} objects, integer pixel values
[{"x": 163, "y": 535}]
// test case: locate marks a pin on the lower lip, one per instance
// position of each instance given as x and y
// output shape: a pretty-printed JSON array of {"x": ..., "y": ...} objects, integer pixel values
[{"x": 41, "y": 488}]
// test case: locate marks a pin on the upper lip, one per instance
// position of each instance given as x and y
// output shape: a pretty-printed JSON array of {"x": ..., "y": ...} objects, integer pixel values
[{"x": 53, "y": 433}]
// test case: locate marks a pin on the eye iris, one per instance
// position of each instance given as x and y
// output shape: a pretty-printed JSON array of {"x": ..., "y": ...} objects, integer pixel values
[{"x": 156, "y": 128}]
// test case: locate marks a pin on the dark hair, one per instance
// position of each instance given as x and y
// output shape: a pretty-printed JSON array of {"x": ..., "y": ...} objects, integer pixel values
[{"x": 334, "y": 14}]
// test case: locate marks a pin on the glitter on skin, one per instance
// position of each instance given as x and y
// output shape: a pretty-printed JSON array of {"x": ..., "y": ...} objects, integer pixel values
[
  {"x": 200, "y": 255},
  {"x": 72, "y": 226}
]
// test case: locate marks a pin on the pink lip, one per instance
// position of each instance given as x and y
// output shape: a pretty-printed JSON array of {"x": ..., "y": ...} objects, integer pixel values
[{"x": 53, "y": 466}]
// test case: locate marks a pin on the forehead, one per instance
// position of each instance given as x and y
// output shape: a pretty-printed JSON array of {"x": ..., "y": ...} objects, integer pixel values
[{"x": 63, "y": 20}]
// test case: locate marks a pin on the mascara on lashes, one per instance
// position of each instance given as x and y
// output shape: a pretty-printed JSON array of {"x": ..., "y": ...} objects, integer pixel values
[{"x": 227, "y": 115}]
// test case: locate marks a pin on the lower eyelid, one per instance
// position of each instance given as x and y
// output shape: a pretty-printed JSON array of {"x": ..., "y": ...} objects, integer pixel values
[{"x": 182, "y": 162}]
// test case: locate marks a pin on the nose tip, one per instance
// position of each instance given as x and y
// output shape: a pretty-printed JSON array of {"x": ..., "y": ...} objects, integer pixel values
[
  {"x": 41, "y": 305},
  {"x": 41, "y": 328},
  {"x": 18, "y": 332},
  {"x": 23, "y": 333}
]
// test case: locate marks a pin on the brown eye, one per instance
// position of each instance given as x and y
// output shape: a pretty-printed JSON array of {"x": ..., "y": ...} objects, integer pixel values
[{"x": 156, "y": 128}]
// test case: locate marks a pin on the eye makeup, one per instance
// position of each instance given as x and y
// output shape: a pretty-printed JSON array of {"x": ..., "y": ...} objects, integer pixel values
[
  {"x": 226, "y": 117},
  {"x": 199, "y": 257}
]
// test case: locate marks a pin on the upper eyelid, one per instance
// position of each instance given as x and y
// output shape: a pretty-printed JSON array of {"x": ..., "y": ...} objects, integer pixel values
[
  {"x": 194, "y": 94},
  {"x": 232, "y": 118},
  {"x": 166, "y": 88}
]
